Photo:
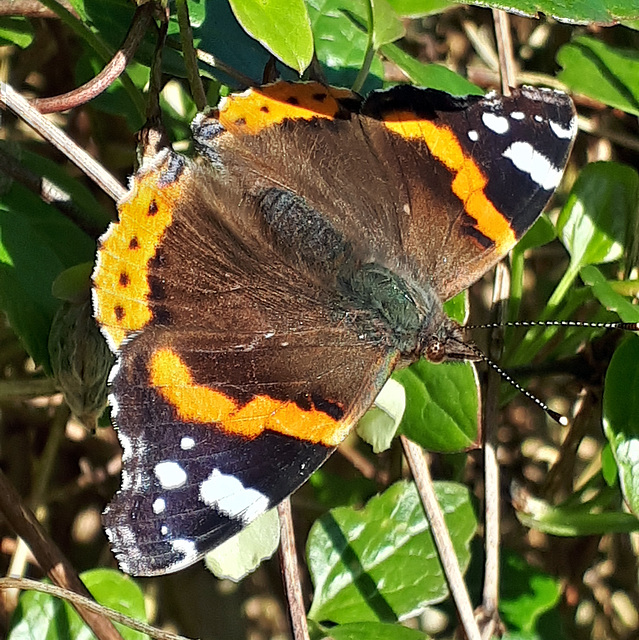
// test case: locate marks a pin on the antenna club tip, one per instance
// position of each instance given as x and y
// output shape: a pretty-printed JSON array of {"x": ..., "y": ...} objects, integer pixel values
[{"x": 557, "y": 417}]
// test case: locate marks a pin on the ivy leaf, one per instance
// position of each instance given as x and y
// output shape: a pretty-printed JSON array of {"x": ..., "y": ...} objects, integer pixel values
[
  {"x": 281, "y": 26},
  {"x": 379, "y": 563}
]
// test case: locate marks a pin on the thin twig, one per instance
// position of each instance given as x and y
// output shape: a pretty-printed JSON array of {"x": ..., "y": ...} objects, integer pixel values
[
  {"x": 216, "y": 63},
  {"x": 32, "y": 9},
  {"x": 505, "y": 50},
  {"x": 36, "y": 503},
  {"x": 49, "y": 557},
  {"x": 492, "y": 515},
  {"x": 113, "y": 70},
  {"x": 90, "y": 605},
  {"x": 291, "y": 572},
  {"x": 368, "y": 469},
  {"x": 622, "y": 138},
  {"x": 190, "y": 58},
  {"x": 490, "y": 77},
  {"x": 27, "y": 388},
  {"x": 90, "y": 167},
  {"x": 423, "y": 481},
  {"x": 492, "y": 504},
  {"x": 95, "y": 43}
]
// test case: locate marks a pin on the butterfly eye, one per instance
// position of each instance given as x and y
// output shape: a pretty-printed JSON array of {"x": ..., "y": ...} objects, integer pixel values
[{"x": 435, "y": 351}]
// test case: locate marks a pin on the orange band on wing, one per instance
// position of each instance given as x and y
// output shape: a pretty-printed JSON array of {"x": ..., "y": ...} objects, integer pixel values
[
  {"x": 469, "y": 182},
  {"x": 198, "y": 403},
  {"x": 257, "y": 109},
  {"x": 121, "y": 278}
]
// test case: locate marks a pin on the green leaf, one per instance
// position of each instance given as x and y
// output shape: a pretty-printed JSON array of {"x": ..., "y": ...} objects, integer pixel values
[
  {"x": 594, "y": 221},
  {"x": 458, "y": 307},
  {"x": 281, "y": 26},
  {"x": 220, "y": 34},
  {"x": 601, "y": 72},
  {"x": 541, "y": 233},
  {"x": 442, "y": 405},
  {"x": 379, "y": 563},
  {"x": 599, "y": 11},
  {"x": 609, "y": 466},
  {"x": 387, "y": 27},
  {"x": 434, "y": 76},
  {"x": 585, "y": 519},
  {"x": 419, "y": 8},
  {"x": 40, "y": 615},
  {"x": 604, "y": 291},
  {"x": 76, "y": 201},
  {"x": 621, "y": 416},
  {"x": 599, "y": 217},
  {"x": 28, "y": 268},
  {"x": 341, "y": 43},
  {"x": 373, "y": 631},
  {"x": 15, "y": 30},
  {"x": 525, "y": 594},
  {"x": 244, "y": 552}
]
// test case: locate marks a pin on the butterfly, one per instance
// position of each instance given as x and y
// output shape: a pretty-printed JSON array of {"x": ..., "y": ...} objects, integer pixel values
[{"x": 259, "y": 295}]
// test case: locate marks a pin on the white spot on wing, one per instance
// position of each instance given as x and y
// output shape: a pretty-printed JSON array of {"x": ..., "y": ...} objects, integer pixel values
[
  {"x": 560, "y": 131},
  {"x": 115, "y": 369},
  {"x": 229, "y": 496},
  {"x": 473, "y": 135},
  {"x": 495, "y": 123},
  {"x": 170, "y": 474},
  {"x": 159, "y": 505},
  {"x": 185, "y": 548},
  {"x": 517, "y": 115},
  {"x": 527, "y": 159},
  {"x": 127, "y": 447},
  {"x": 115, "y": 407},
  {"x": 127, "y": 481},
  {"x": 187, "y": 443}
]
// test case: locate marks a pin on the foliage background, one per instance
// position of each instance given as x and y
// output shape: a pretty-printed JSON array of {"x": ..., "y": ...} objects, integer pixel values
[{"x": 580, "y": 585}]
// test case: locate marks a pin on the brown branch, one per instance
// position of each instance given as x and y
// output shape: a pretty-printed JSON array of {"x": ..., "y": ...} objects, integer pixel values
[
  {"x": 291, "y": 572},
  {"x": 90, "y": 604},
  {"x": 90, "y": 167},
  {"x": 49, "y": 556},
  {"x": 505, "y": 50},
  {"x": 108, "y": 75},
  {"x": 190, "y": 58},
  {"x": 31, "y": 9},
  {"x": 421, "y": 474},
  {"x": 489, "y": 613}
]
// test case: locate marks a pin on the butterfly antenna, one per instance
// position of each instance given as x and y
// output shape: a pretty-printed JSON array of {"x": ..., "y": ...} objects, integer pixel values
[
  {"x": 562, "y": 420},
  {"x": 626, "y": 326},
  {"x": 557, "y": 417}
]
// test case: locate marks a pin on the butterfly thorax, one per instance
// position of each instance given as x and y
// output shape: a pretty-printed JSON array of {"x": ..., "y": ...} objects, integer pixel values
[{"x": 410, "y": 319}]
